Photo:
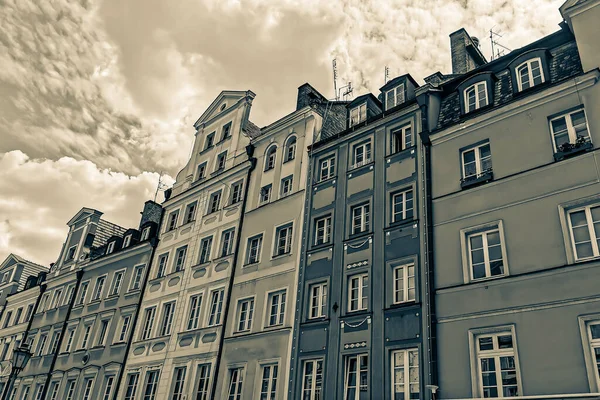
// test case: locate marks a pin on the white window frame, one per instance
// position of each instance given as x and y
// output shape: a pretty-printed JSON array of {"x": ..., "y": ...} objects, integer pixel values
[
  {"x": 405, "y": 367},
  {"x": 148, "y": 323},
  {"x": 364, "y": 217},
  {"x": 401, "y": 274},
  {"x": 395, "y": 94},
  {"x": 478, "y": 99},
  {"x": 71, "y": 253},
  {"x": 327, "y": 166},
  {"x": 591, "y": 232},
  {"x": 270, "y": 158},
  {"x": 312, "y": 390},
  {"x": 236, "y": 192},
  {"x": 358, "y": 388},
  {"x": 402, "y": 132},
  {"x": 287, "y": 182},
  {"x": 325, "y": 221},
  {"x": 358, "y": 114},
  {"x": 154, "y": 387},
  {"x": 194, "y": 310},
  {"x": 172, "y": 221},
  {"x": 145, "y": 234},
  {"x": 206, "y": 245},
  {"x": 202, "y": 389},
  {"x": 360, "y": 291},
  {"x": 317, "y": 307},
  {"x": 244, "y": 317},
  {"x": 367, "y": 154},
  {"x": 116, "y": 285},
  {"x": 230, "y": 239},
  {"x": 127, "y": 241},
  {"x": 290, "y": 146},
  {"x": 589, "y": 344},
  {"x": 82, "y": 292},
  {"x": 70, "y": 389},
  {"x": 221, "y": 157},
  {"x": 178, "y": 391},
  {"x": 529, "y": 73},
  {"x": 180, "y": 258},
  {"x": 111, "y": 247},
  {"x": 124, "y": 327},
  {"x": 56, "y": 296},
  {"x": 136, "y": 284},
  {"x": 571, "y": 132},
  {"x": 103, "y": 334},
  {"x": 235, "y": 383},
  {"x": 287, "y": 246},
  {"x": 201, "y": 171},
  {"x": 466, "y": 234},
  {"x": 405, "y": 205},
  {"x": 265, "y": 194},
  {"x": 213, "y": 317},
  {"x": 190, "y": 212},
  {"x": 85, "y": 338},
  {"x": 108, "y": 387},
  {"x": 478, "y": 161},
  {"x": 99, "y": 287},
  {"x": 167, "y": 317},
  {"x": 272, "y": 380},
  {"x": 214, "y": 202},
  {"x": 254, "y": 249},
  {"x": 70, "y": 337},
  {"x": 131, "y": 385},
  {"x": 280, "y": 310},
  {"x": 161, "y": 268}
]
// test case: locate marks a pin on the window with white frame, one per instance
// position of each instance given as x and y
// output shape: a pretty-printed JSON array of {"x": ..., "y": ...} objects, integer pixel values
[
  {"x": 131, "y": 388},
  {"x": 136, "y": 280},
  {"x": 54, "y": 342},
  {"x": 124, "y": 329},
  {"x": 327, "y": 168},
  {"x": 404, "y": 283},
  {"x": 358, "y": 114},
  {"x": 254, "y": 248},
  {"x": 530, "y": 73},
  {"x": 283, "y": 240},
  {"x": 215, "y": 202},
  {"x": 216, "y": 307},
  {"x": 268, "y": 386},
  {"x": 318, "y": 300},
  {"x": 41, "y": 344},
  {"x": 201, "y": 171},
  {"x": 485, "y": 253},
  {"x": 127, "y": 241},
  {"x": 236, "y": 378},
  {"x": 322, "y": 230},
  {"x": 162, "y": 265},
  {"x": 7, "y": 319},
  {"x": 149, "y": 314},
  {"x": 227, "y": 242},
  {"x": 190, "y": 213},
  {"x": 71, "y": 253},
  {"x": 108, "y": 386},
  {"x": 172, "y": 224},
  {"x": 401, "y": 138},
  {"x": 180, "y": 258},
  {"x": 245, "y": 311},
  {"x": 270, "y": 158},
  {"x": 356, "y": 376},
  {"x": 39, "y": 389},
  {"x": 496, "y": 365},
  {"x": 405, "y": 374},
  {"x": 205, "y": 249},
  {"x": 394, "y": 97},
  {"x": 178, "y": 383},
  {"x": 203, "y": 379},
  {"x": 85, "y": 339},
  {"x": 101, "y": 341},
  {"x": 70, "y": 390},
  {"x": 236, "y": 192},
  {"x": 117, "y": 283},
  {"x": 312, "y": 379},
  {"x": 56, "y": 298},
  {"x": 569, "y": 129},
  {"x": 99, "y": 288},
  {"x": 475, "y": 96},
  {"x": 53, "y": 391},
  {"x": 221, "y": 159},
  {"x": 361, "y": 154},
  {"x": 111, "y": 247},
  {"x": 69, "y": 295},
  {"x": 226, "y": 131},
  {"x": 476, "y": 161},
  {"x": 70, "y": 336},
  {"x": 584, "y": 229},
  {"x": 83, "y": 288},
  {"x": 145, "y": 234},
  {"x": 358, "y": 292},
  {"x": 151, "y": 385},
  {"x": 209, "y": 141},
  {"x": 360, "y": 218},
  {"x": 18, "y": 315},
  {"x": 290, "y": 150},
  {"x": 265, "y": 194},
  {"x": 286, "y": 186},
  {"x": 593, "y": 339},
  {"x": 25, "y": 392},
  {"x": 167, "y": 318},
  {"x": 276, "y": 308},
  {"x": 402, "y": 205},
  {"x": 194, "y": 312},
  {"x": 44, "y": 302}
]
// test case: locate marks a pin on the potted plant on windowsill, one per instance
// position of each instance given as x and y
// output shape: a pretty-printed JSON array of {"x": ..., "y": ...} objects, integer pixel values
[{"x": 568, "y": 149}]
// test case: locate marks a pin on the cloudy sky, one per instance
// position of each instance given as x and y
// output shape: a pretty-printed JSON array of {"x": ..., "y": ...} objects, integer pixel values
[{"x": 97, "y": 97}]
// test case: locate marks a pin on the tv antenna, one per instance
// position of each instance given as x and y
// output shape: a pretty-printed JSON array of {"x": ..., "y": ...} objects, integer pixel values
[
  {"x": 348, "y": 91},
  {"x": 335, "y": 90},
  {"x": 386, "y": 74},
  {"x": 494, "y": 40},
  {"x": 160, "y": 185}
]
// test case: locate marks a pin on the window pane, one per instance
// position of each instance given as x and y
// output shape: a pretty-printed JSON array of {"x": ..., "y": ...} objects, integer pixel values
[
  {"x": 595, "y": 330},
  {"x": 505, "y": 342},
  {"x": 486, "y": 343}
]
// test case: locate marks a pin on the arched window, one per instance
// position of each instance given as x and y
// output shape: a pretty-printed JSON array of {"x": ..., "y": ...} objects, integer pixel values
[
  {"x": 530, "y": 73},
  {"x": 476, "y": 96},
  {"x": 270, "y": 156},
  {"x": 290, "y": 149}
]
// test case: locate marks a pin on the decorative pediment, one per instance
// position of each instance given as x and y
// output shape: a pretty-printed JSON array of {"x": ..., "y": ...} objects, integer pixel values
[
  {"x": 224, "y": 101},
  {"x": 83, "y": 214},
  {"x": 11, "y": 260}
]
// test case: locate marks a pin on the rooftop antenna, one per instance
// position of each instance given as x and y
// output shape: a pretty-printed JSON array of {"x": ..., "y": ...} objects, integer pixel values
[
  {"x": 335, "y": 90},
  {"x": 495, "y": 42},
  {"x": 160, "y": 185},
  {"x": 386, "y": 75},
  {"x": 348, "y": 91}
]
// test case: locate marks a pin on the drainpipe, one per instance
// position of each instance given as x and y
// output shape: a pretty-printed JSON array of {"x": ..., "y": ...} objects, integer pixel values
[
  {"x": 62, "y": 335},
  {"x": 430, "y": 315},
  {"x": 250, "y": 152},
  {"x": 136, "y": 315}
]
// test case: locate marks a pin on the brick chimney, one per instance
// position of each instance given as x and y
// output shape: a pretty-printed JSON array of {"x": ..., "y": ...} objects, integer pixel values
[
  {"x": 466, "y": 55},
  {"x": 308, "y": 95},
  {"x": 152, "y": 212}
]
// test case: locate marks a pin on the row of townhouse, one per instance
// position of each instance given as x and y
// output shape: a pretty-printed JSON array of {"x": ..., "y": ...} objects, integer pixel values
[{"x": 434, "y": 241}]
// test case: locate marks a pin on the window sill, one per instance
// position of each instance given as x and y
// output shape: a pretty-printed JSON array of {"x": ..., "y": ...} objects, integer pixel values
[
  {"x": 320, "y": 181},
  {"x": 217, "y": 172},
  {"x": 132, "y": 292},
  {"x": 211, "y": 213},
  {"x": 480, "y": 179},
  {"x": 273, "y": 327},
  {"x": 321, "y": 246},
  {"x": 250, "y": 264},
  {"x": 232, "y": 205},
  {"x": 356, "y": 167},
  {"x": 401, "y": 151},
  {"x": 218, "y": 259},
  {"x": 94, "y": 302},
  {"x": 561, "y": 155},
  {"x": 207, "y": 149},
  {"x": 403, "y": 222},
  {"x": 112, "y": 296},
  {"x": 359, "y": 235},
  {"x": 268, "y": 169},
  {"x": 356, "y": 313},
  {"x": 201, "y": 265},
  {"x": 487, "y": 278},
  {"x": 287, "y": 161},
  {"x": 98, "y": 347},
  {"x": 118, "y": 343},
  {"x": 403, "y": 304},
  {"x": 198, "y": 181},
  {"x": 283, "y": 255}
]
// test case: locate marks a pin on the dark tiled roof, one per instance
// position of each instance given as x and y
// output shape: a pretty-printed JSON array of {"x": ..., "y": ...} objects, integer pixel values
[{"x": 252, "y": 130}]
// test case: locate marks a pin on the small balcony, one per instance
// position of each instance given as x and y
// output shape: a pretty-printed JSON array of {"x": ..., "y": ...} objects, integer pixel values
[
  {"x": 566, "y": 150},
  {"x": 477, "y": 179}
]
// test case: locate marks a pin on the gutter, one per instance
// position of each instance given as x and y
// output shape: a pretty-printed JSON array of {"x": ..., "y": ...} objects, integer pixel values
[{"x": 250, "y": 152}]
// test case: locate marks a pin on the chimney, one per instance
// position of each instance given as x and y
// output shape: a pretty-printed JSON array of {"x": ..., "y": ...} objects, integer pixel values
[
  {"x": 308, "y": 95},
  {"x": 152, "y": 212},
  {"x": 466, "y": 55}
]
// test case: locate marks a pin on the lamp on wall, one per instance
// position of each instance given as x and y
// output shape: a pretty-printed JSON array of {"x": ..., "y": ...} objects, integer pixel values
[{"x": 20, "y": 359}]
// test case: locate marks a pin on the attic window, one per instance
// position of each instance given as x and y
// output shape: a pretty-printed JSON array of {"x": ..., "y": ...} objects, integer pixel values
[
  {"x": 530, "y": 73},
  {"x": 358, "y": 114},
  {"x": 223, "y": 106},
  {"x": 127, "y": 241},
  {"x": 476, "y": 96},
  {"x": 110, "y": 248},
  {"x": 145, "y": 234},
  {"x": 394, "y": 97}
]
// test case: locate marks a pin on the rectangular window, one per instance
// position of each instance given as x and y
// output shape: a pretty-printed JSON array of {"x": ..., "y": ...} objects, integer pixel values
[
  {"x": 70, "y": 336},
  {"x": 227, "y": 243},
  {"x": 236, "y": 192},
  {"x": 318, "y": 300},
  {"x": 7, "y": 319},
  {"x": 172, "y": 224},
  {"x": 358, "y": 292},
  {"x": 404, "y": 283},
  {"x": 151, "y": 385},
  {"x": 127, "y": 241},
  {"x": 216, "y": 307},
  {"x": 69, "y": 295},
  {"x": 131, "y": 389},
  {"x": 162, "y": 265},
  {"x": 87, "y": 388},
  {"x": 145, "y": 234},
  {"x": 70, "y": 389},
  {"x": 53, "y": 391},
  {"x": 136, "y": 281},
  {"x": 215, "y": 202},
  {"x": 485, "y": 254},
  {"x": 167, "y": 318},
  {"x": 530, "y": 74},
  {"x": 569, "y": 130},
  {"x": 356, "y": 373},
  {"x": 54, "y": 342},
  {"x": 476, "y": 96},
  {"x": 327, "y": 168},
  {"x": 276, "y": 304},
  {"x": 190, "y": 212},
  {"x": 394, "y": 97},
  {"x": 322, "y": 230},
  {"x": 584, "y": 228},
  {"x": 401, "y": 138},
  {"x": 221, "y": 159},
  {"x": 236, "y": 377},
  {"x": 270, "y": 158},
  {"x": 203, "y": 379},
  {"x": 358, "y": 115},
  {"x": 83, "y": 292},
  {"x": 41, "y": 345},
  {"x": 226, "y": 130},
  {"x": 102, "y": 333},
  {"x": 245, "y": 313},
  {"x": 178, "y": 383},
  {"x": 361, "y": 154},
  {"x": 497, "y": 371},
  {"x": 39, "y": 388},
  {"x": 108, "y": 387},
  {"x": 405, "y": 374},
  {"x": 476, "y": 162},
  {"x": 18, "y": 316},
  {"x": 205, "y": 248},
  {"x": 265, "y": 194},
  {"x": 268, "y": 387},
  {"x": 99, "y": 288},
  {"x": 254, "y": 248},
  {"x": 360, "y": 218},
  {"x": 402, "y": 206},
  {"x": 283, "y": 240},
  {"x": 124, "y": 331},
  {"x": 56, "y": 298},
  {"x": 210, "y": 140},
  {"x": 149, "y": 315},
  {"x": 71, "y": 253},
  {"x": 194, "y": 313},
  {"x": 201, "y": 171},
  {"x": 312, "y": 379},
  {"x": 286, "y": 186},
  {"x": 180, "y": 258},
  {"x": 117, "y": 282},
  {"x": 87, "y": 329},
  {"x": 110, "y": 248}
]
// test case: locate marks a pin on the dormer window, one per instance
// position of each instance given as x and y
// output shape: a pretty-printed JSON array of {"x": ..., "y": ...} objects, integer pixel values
[
  {"x": 358, "y": 114},
  {"x": 145, "y": 234},
  {"x": 110, "y": 248},
  {"x": 127, "y": 241},
  {"x": 394, "y": 97},
  {"x": 529, "y": 74},
  {"x": 476, "y": 96}
]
